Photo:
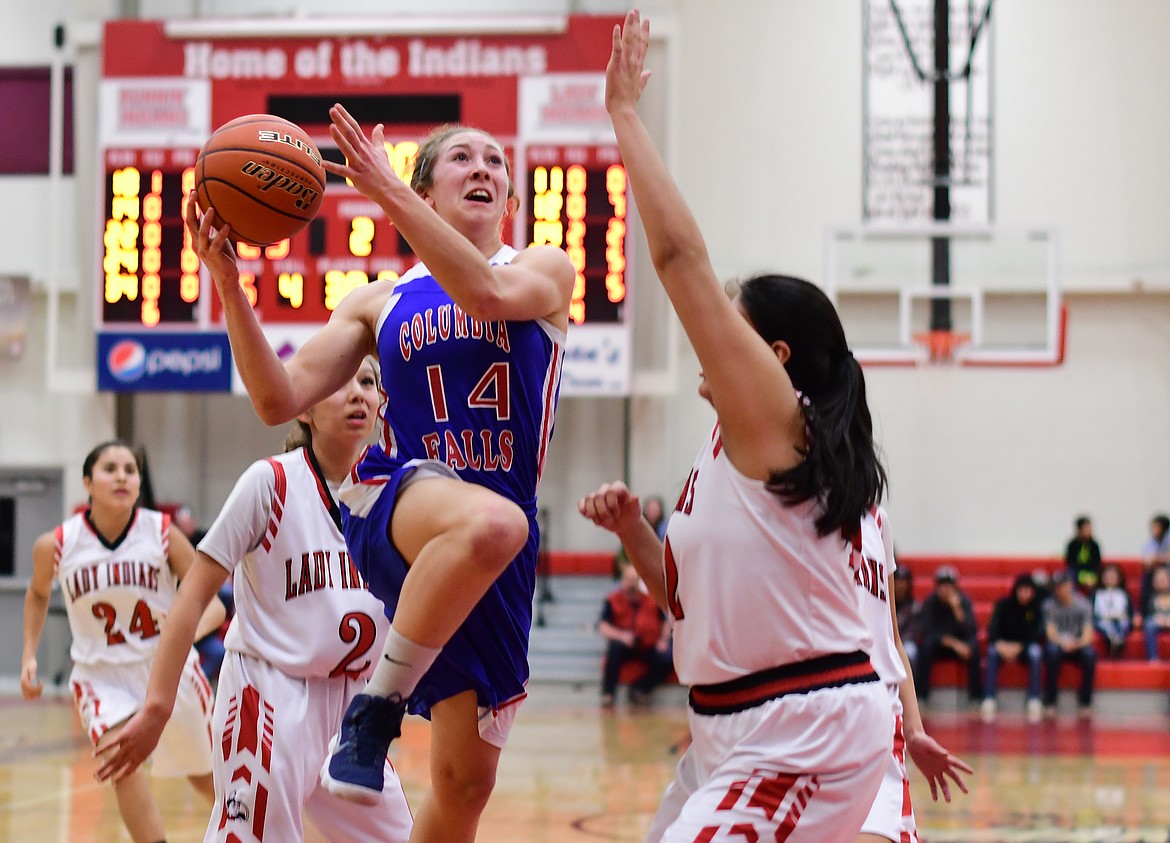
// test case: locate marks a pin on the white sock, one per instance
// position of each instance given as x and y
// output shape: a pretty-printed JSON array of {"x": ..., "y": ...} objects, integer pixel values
[{"x": 401, "y": 666}]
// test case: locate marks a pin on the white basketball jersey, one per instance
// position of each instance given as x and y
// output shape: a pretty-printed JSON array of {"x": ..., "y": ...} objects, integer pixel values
[
  {"x": 116, "y": 594},
  {"x": 300, "y": 603},
  {"x": 750, "y": 583},
  {"x": 872, "y": 578}
]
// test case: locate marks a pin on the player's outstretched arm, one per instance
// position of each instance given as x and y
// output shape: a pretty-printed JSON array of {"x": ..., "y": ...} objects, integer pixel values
[
  {"x": 537, "y": 285},
  {"x": 279, "y": 393},
  {"x": 36, "y": 609},
  {"x": 138, "y": 738},
  {"x": 615, "y": 508},
  {"x": 932, "y": 759},
  {"x": 750, "y": 389},
  {"x": 180, "y": 557}
]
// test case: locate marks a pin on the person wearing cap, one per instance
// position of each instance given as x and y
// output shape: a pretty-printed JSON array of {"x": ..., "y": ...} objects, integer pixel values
[
  {"x": 948, "y": 631},
  {"x": 1014, "y": 634},
  {"x": 907, "y": 608},
  {"x": 1068, "y": 624}
]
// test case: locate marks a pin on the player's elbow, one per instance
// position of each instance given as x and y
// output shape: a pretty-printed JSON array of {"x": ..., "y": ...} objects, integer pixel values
[
  {"x": 674, "y": 255},
  {"x": 486, "y": 303},
  {"x": 272, "y": 410}
]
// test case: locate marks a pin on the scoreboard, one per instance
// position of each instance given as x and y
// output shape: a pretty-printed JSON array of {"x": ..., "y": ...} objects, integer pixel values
[{"x": 540, "y": 95}]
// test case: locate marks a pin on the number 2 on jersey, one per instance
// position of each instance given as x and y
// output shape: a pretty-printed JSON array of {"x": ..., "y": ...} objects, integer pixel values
[{"x": 358, "y": 629}]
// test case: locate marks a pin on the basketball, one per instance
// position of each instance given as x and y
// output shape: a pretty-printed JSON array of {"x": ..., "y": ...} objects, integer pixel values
[{"x": 262, "y": 176}]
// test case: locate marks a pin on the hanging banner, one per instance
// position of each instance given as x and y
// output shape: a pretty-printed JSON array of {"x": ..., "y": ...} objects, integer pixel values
[{"x": 899, "y": 108}]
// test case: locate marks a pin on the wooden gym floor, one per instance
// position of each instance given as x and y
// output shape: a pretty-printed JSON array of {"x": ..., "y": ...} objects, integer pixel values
[{"x": 573, "y": 773}]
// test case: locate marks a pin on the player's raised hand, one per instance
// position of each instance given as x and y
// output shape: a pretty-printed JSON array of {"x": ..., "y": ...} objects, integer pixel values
[
  {"x": 209, "y": 239},
  {"x": 612, "y": 507},
  {"x": 625, "y": 75},
  {"x": 936, "y": 763},
  {"x": 366, "y": 165}
]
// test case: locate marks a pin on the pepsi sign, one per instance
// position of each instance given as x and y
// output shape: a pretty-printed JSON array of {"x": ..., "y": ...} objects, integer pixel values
[{"x": 153, "y": 362}]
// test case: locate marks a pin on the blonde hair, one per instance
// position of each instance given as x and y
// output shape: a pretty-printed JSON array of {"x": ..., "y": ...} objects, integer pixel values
[
  {"x": 301, "y": 434},
  {"x": 428, "y": 156}
]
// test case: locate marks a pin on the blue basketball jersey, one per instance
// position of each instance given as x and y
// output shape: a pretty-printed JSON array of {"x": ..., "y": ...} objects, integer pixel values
[{"x": 480, "y": 397}]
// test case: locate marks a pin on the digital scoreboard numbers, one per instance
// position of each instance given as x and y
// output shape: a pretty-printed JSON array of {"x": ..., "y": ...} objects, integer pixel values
[
  {"x": 350, "y": 243},
  {"x": 577, "y": 202},
  {"x": 150, "y": 272}
]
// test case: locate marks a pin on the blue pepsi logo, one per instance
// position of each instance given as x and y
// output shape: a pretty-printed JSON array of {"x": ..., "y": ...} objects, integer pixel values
[{"x": 127, "y": 360}]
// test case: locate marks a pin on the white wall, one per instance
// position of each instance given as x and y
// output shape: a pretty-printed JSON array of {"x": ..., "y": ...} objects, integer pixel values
[{"x": 768, "y": 151}]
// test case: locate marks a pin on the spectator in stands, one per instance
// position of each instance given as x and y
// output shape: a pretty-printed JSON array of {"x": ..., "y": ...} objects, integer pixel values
[
  {"x": 655, "y": 512},
  {"x": 1113, "y": 609},
  {"x": 948, "y": 631},
  {"x": 1082, "y": 557},
  {"x": 635, "y": 630},
  {"x": 907, "y": 608},
  {"x": 1040, "y": 579},
  {"x": 1068, "y": 624},
  {"x": 1155, "y": 552},
  {"x": 1014, "y": 634},
  {"x": 1156, "y": 612}
]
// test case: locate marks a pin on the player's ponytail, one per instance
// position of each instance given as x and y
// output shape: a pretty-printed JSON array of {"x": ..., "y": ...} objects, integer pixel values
[
  {"x": 841, "y": 469},
  {"x": 300, "y": 436}
]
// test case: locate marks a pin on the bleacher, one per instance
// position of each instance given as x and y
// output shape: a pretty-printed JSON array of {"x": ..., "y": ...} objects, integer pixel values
[
  {"x": 567, "y": 648},
  {"x": 986, "y": 579}
]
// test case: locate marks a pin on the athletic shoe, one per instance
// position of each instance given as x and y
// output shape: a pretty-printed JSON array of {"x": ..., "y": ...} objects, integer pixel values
[
  {"x": 355, "y": 768},
  {"x": 987, "y": 710},
  {"x": 1034, "y": 710}
]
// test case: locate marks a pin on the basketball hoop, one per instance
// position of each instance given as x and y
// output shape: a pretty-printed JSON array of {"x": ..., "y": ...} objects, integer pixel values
[{"x": 941, "y": 345}]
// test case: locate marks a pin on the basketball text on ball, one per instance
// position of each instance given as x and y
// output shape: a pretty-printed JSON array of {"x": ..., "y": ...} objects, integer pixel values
[
  {"x": 262, "y": 176},
  {"x": 304, "y": 196},
  {"x": 267, "y": 136}
]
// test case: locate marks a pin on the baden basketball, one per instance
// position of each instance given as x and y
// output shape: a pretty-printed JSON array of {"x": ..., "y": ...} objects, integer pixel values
[{"x": 262, "y": 175}]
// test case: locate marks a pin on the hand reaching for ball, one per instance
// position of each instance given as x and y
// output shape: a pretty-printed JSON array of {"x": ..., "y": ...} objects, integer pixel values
[{"x": 211, "y": 240}]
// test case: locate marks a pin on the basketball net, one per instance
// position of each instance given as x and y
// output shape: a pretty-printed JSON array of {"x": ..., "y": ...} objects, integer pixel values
[{"x": 941, "y": 345}]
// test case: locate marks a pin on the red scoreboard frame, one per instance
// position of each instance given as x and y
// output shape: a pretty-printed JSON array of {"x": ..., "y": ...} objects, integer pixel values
[{"x": 163, "y": 94}]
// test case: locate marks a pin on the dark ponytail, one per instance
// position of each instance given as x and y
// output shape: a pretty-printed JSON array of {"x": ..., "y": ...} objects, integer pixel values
[{"x": 841, "y": 469}]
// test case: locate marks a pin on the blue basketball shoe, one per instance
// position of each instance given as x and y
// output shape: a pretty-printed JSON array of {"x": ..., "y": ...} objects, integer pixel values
[{"x": 355, "y": 768}]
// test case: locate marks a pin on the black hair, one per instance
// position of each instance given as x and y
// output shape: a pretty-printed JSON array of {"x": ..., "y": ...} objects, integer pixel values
[
  {"x": 94, "y": 455},
  {"x": 1022, "y": 580},
  {"x": 1082, "y": 520},
  {"x": 841, "y": 469},
  {"x": 1163, "y": 522}
]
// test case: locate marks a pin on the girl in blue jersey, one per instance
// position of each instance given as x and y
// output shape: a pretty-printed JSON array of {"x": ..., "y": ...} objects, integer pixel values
[{"x": 470, "y": 343}]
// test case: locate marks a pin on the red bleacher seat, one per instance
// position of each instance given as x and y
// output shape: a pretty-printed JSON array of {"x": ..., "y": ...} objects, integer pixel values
[{"x": 985, "y": 579}]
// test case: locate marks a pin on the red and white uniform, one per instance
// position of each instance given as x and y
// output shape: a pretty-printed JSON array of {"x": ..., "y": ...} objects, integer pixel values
[
  {"x": 892, "y": 814},
  {"x": 790, "y": 727},
  {"x": 117, "y": 596},
  {"x": 306, "y": 634}
]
